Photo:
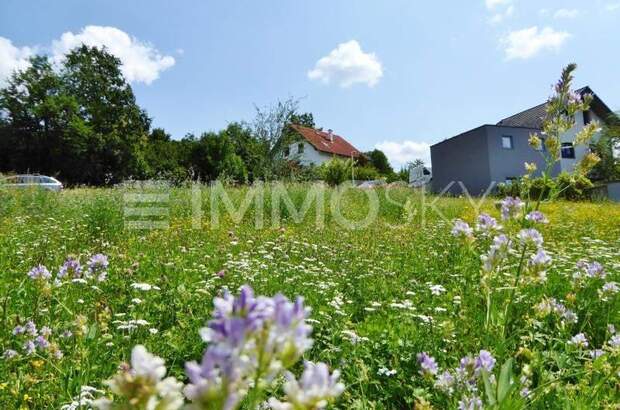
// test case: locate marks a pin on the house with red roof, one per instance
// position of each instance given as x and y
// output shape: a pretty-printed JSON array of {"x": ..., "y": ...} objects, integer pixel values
[{"x": 313, "y": 147}]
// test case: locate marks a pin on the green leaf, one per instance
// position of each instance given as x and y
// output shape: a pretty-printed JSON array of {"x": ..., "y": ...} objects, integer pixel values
[
  {"x": 488, "y": 389},
  {"x": 504, "y": 385}
]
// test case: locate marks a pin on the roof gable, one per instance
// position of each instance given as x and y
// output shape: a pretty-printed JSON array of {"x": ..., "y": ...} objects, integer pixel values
[
  {"x": 323, "y": 142},
  {"x": 534, "y": 117}
]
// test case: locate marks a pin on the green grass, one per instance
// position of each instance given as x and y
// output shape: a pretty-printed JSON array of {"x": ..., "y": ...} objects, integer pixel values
[{"x": 372, "y": 281}]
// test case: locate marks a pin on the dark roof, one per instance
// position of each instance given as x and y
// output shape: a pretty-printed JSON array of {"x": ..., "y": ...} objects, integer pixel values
[
  {"x": 534, "y": 117},
  {"x": 321, "y": 141}
]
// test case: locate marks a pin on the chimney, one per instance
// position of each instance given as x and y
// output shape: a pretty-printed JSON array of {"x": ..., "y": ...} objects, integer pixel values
[{"x": 330, "y": 135}]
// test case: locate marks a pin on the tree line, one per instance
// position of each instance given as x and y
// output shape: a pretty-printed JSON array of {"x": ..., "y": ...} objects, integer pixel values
[{"x": 79, "y": 121}]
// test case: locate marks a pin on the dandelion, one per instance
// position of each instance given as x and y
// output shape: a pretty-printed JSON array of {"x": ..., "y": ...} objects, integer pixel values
[
  {"x": 427, "y": 364},
  {"x": 579, "y": 340},
  {"x": 39, "y": 272}
]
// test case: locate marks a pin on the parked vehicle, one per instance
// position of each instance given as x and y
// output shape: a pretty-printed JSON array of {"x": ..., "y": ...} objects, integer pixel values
[{"x": 31, "y": 181}]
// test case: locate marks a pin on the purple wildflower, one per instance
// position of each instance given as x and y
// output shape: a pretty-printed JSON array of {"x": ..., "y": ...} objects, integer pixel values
[
  {"x": 445, "y": 382},
  {"x": 614, "y": 341},
  {"x": 470, "y": 403},
  {"x": 537, "y": 217},
  {"x": 30, "y": 328},
  {"x": 530, "y": 236},
  {"x": 29, "y": 347},
  {"x": 487, "y": 223},
  {"x": 511, "y": 207},
  {"x": 539, "y": 262},
  {"x": 97, "y": 265},
  {"x": 41, "y": 342},
  {"x": 461, "y": 229},
  {"x": 496, "y": 253},
  {"x": 596, "y": 353},
  {"x": 591, "y": 270},
  {"x": 9, "y": 354},
  {"x": 45, "y": 331},
  {"x": 18, "y": 330},
  {"x": 427, "y": 364},
  {"x": 39, "y": 272},
  {"x": 71, "y": 268},
  {"x": 484, "y": 361},
  {"x": 579, "y": 340}
]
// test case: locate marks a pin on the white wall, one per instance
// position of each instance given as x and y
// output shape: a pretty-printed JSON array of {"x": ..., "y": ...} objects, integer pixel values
[
  {"x": 310, "y": 155},
  {"x": 568, "y": 164}
]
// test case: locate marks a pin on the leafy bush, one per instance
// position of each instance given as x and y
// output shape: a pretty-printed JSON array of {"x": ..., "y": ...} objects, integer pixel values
[
  {"x": 366, "y": 173},
  {"x": 566, "y": 186},
  {"x": 335, "y": 171}
]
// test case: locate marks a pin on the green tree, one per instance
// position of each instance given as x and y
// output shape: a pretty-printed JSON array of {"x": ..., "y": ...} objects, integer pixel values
[{"x": 379, "y": 160}]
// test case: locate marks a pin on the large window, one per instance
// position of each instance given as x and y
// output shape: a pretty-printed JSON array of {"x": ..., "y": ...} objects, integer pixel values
[
  {"x": 568, "y": 151},
  {"x": 507, "y": 142},
  {"x": 300, "y": 148},
  {"x": 587, "y": 118},
  {"x": 287, "y": 151}
]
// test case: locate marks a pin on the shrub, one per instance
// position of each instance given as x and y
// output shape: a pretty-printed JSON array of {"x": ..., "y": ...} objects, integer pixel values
[
  {"x": 335, "y": 171},
  {"x": 366, "y": 173}
]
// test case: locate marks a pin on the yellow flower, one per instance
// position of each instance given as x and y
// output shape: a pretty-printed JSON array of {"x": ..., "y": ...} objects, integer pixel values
[
  {"x": 37, "y": 364},
  {"x": 530, "y": 167}
]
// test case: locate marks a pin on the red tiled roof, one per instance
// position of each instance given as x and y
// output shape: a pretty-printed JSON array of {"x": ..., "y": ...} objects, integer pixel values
[{"x": 321, "y": 141}]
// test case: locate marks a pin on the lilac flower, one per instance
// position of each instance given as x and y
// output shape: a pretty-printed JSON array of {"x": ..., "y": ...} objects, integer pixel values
[
  {"x": 71, "y": 268},
  {"x": 461, "y": 229},
  {"x": 46, "y": 331},
  {"x": 537, "y": 217},
  {"x": 41, "y": 342},
  {"x": 29, "y": 347},
  {"x": 18, "y": 330},
  {"x": 39, "y": 272},
  {"x": 591, "y": 270},
  {"x": 97, "y": 266},
  {"x": 548, "y": 306},
  {"x": 427, "y": 364},
  {"x": 596, "y": 353},
  {"x": 530, "y": 237},
  {"x": 614, "y": 341},
  {"x": 525, "y": 392},
  {"x": 579, "y": 340},
  {"x": 539, "y": 262},
  {"x": 314, "y": 390},
  {"x": 609, "y": 288},
  {"x": 487, "y": 223},
  {"x": 484, "y": 361},
  {"x": 30, "y": 328},
  {"x": 511, "y": 207},
  {"x": 9, "y": 354}
]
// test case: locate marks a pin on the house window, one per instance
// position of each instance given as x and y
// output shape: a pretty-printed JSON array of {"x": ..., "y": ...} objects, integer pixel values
[
  {"x": 507, "y": 142},
  {"x": 568, "y": 151},
  {"x": 300, "y": 148},
  {"x": 587, "y": 118},
  {"x": 287, "y": 151}
]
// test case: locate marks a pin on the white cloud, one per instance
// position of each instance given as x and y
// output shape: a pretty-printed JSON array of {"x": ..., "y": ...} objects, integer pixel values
[
  {"x": 12, "y": 58},
  {"x": 399, "y": 153},
  {"x": 529, "y": 42},
  {"x": 141, "y": 62},
  {"x": 566, "y": 14},
  {"x": 492, "y": 4},
  {"x": 347, "y": 65}
]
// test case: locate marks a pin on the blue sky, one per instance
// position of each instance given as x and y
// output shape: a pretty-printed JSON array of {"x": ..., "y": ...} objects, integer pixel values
[{"x": 398, "y": 74}]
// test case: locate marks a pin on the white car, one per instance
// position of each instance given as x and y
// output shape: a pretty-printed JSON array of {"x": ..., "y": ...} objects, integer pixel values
[{"x": 32, "y": 181}]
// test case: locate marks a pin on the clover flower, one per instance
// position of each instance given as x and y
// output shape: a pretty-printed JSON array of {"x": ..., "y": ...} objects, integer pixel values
[
  {"x": 39, "y": 272},
  {"x": 579, "y": 340},
  {"x": 461, "y": 229},
  {"x": 314, "y": 390},
  {"x": 537, "y": 217},
  {"x": 428, "y": 365},
  {"x": 511, "y": 207}
]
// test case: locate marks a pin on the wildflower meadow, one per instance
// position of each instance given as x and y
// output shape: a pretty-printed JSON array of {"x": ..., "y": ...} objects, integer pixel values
[{"x": 300, "y": 296}]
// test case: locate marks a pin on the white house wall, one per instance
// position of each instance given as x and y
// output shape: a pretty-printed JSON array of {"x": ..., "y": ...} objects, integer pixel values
[
  {"x": 310, "y": 155},
  {"x": 568, "y": 164}
]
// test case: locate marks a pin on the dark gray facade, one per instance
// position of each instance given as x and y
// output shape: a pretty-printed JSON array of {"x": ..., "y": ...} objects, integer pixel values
[{"x": 478, "y": 160}]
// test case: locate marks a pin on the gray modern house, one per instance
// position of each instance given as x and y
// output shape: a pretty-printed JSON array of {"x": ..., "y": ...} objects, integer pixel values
[{"x": 483, "y": 157}]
